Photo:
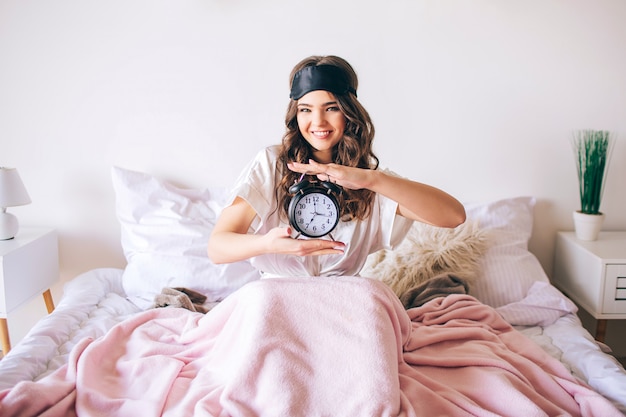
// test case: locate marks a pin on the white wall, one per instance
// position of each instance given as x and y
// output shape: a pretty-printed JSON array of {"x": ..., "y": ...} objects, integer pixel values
[{"x": 476, "y": 97}]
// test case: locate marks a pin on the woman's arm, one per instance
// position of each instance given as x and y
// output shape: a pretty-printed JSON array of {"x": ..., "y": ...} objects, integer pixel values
[
  {"x": 419, "y": 201},
  {"x": 230, "y": 241},
  {"x": 416, "y": 201}
]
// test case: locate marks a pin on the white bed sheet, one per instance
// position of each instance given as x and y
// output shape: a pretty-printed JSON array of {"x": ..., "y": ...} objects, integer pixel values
[
  {"x": 568, "y": 341},
  {"x": 94, "y": 302},
  {"x": 91, "y": 304}
]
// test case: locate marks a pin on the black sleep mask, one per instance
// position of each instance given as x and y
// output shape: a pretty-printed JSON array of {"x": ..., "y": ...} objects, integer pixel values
[{"x": 320, "y": 77}]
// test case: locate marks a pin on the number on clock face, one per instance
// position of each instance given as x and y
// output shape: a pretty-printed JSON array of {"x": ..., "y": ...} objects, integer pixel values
[{"x": 316, "y": 214}]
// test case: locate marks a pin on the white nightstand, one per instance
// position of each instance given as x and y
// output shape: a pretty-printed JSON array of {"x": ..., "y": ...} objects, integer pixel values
[
  {"x": 29, "y": 265},
  {"x": 593, "y": 274}
]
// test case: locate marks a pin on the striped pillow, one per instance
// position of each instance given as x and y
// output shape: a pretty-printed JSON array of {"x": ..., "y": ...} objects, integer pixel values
[{"x": 507, "y": 268}]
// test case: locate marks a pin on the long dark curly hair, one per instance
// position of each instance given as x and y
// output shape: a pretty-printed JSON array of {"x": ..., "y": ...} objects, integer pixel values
[{"x": 354, "y": 150}]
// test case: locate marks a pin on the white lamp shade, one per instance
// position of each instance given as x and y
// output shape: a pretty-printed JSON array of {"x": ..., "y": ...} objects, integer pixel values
[{"x": 12, "y": 190}]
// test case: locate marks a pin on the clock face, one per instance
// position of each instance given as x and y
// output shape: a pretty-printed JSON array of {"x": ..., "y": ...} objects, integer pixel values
[{"x": 314, "y": 214}]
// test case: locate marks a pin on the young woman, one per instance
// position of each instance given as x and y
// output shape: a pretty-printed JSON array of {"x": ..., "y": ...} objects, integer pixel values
[{"x": 329, "y": 138}]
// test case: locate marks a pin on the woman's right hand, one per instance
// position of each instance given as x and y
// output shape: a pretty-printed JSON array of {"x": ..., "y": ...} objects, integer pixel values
[
  {"x": 280, "y": 240},
  {"x": 230, "y": 241}
]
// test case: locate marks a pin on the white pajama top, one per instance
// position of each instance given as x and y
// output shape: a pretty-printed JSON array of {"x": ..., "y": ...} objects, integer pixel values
[{"x": 383, "y": 229}]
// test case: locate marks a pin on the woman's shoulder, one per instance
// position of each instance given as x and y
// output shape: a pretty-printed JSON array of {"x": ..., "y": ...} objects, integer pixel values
[
  {"x": 268, "y": 154},
  {"x": 272, "y": 152},
  {"x": 263, "y": 164}
]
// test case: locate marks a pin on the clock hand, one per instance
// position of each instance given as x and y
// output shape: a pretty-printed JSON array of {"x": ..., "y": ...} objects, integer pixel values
[
  {"x": 325, "y": 214},
  {"x": 310, "y": 221},
  {"x": 321, "y": 214},
  {"x": 315, "y": 213}
]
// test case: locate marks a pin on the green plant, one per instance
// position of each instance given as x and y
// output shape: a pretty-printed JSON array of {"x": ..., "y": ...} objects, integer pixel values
[{"x": 592, "y": 149}]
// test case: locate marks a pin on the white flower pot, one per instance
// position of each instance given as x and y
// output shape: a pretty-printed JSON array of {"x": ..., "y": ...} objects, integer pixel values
[{"x": 588, "y": 226}]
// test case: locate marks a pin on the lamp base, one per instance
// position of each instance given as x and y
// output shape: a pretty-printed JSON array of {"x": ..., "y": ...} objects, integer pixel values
[{"x": 8, "y": 226}]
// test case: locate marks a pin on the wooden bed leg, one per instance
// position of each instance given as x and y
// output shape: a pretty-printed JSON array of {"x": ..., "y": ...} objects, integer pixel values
[
  {"x": 47, "y": 297},
  {"x": 4, "y": 337},
  {"x": 601, "y": 330}
]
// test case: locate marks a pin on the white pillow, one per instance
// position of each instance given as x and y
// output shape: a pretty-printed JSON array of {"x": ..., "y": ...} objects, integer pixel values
[
  {"x": 507, "y": 268},
  {"x": 165, "y": 230}
]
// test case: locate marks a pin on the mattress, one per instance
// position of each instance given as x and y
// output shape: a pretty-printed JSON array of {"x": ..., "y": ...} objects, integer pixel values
[
  {"x": 91, "y": 304},
  {"x": 95, "y": 301}
]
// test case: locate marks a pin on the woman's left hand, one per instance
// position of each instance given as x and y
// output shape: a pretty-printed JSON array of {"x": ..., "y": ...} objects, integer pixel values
[
  {"x": 416, "y": 201},
  {"x": 347, "y": 177}
]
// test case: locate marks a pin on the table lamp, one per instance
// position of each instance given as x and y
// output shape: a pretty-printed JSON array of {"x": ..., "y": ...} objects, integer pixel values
[{"x": 12, "y": 193}]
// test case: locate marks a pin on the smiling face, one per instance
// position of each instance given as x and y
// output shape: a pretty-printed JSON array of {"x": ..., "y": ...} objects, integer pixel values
[{"x": 321, "y": 123}]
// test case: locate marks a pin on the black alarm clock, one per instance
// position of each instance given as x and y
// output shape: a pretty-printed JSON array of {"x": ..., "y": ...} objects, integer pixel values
[{"x": 314, "y": 209}]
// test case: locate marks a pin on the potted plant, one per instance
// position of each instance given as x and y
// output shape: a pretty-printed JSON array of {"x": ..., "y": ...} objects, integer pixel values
[{"x": 592, "y": 149}]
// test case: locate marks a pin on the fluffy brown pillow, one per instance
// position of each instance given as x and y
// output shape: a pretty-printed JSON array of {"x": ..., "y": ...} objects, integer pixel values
[{"x": 428, "y": 251}]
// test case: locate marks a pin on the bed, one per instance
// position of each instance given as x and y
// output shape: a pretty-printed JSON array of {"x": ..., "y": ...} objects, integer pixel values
[{"x": 451, "y": 322}]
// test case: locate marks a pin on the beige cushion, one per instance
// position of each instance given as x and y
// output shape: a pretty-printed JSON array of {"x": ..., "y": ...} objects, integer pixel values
[{"x": 426, "y": 252}]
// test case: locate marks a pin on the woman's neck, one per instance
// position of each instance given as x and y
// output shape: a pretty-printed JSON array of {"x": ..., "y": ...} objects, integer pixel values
[{"x": 323, "y": 157}]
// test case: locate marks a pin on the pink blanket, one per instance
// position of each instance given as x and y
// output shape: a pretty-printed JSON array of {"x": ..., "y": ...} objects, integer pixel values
[{"x": 310, "y": 347}]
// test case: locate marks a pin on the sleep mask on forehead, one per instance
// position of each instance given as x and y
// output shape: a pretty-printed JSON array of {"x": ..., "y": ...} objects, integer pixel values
[{"x": 320, "y": 77}]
